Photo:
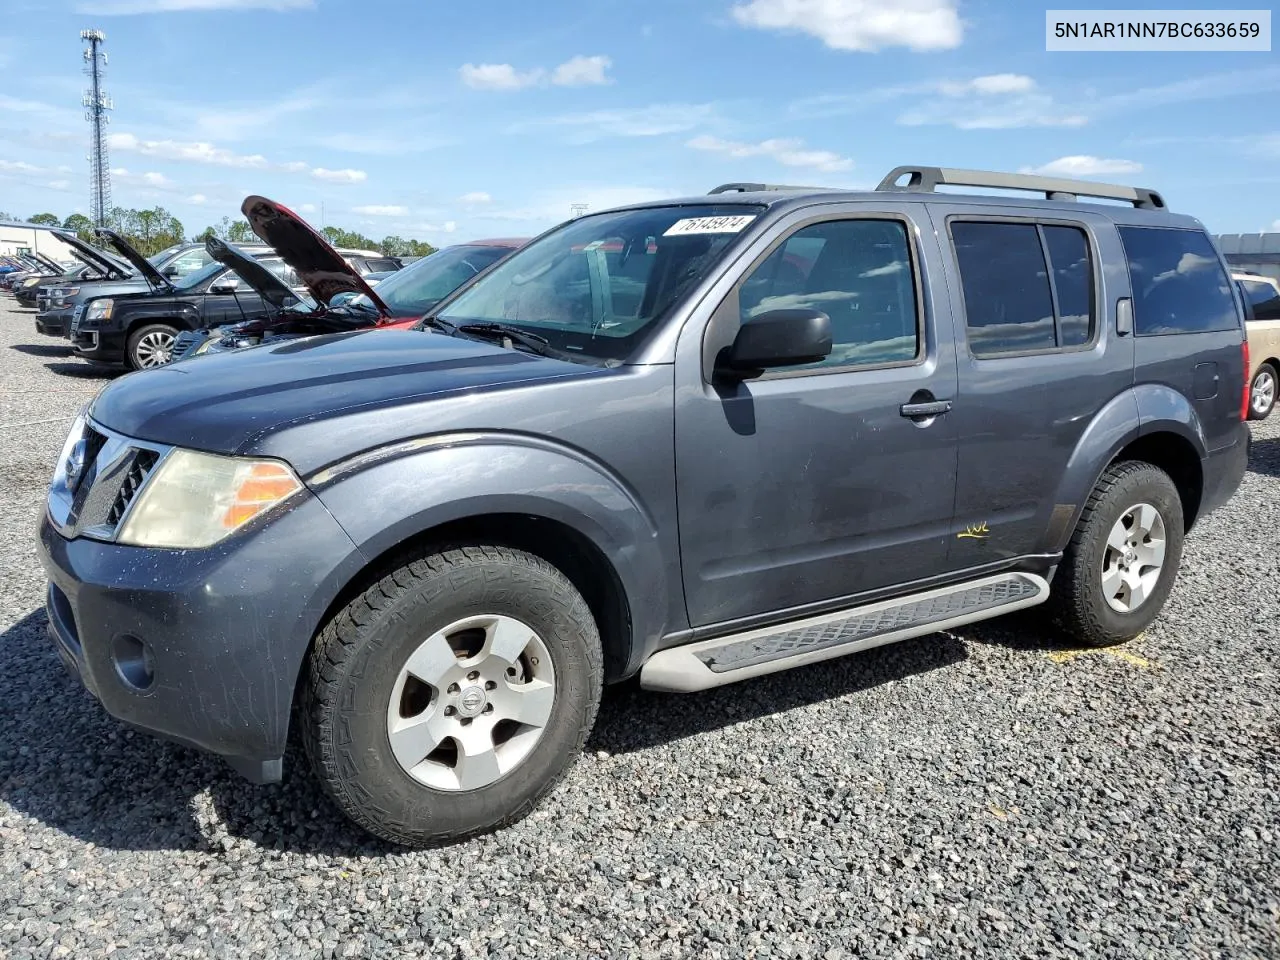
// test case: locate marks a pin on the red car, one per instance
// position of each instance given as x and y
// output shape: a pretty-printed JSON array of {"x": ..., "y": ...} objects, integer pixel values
[{"x": 340, "y": 299}]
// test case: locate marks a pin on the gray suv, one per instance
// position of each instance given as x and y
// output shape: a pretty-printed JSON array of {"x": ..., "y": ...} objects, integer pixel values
[{"x": 695, "y": 441}]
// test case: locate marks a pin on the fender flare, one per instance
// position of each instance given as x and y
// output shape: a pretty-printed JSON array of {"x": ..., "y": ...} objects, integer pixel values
[
  {"x": 1140, "y": 411},
  {"x": 385, "y": 497}
]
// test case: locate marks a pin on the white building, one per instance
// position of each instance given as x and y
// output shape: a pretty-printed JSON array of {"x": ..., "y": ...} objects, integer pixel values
[{"x": 18, "y": 237}]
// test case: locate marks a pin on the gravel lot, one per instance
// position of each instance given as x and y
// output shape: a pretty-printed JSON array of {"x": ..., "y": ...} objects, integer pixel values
[{"x": 976, "y": 794}]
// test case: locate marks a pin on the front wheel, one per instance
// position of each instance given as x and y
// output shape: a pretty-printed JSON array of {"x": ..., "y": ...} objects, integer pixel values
[
  {"x": 151, "y": 346},
  {"x": 453, "y": 695},
  {"x": 1262, "y": 392},
  {"x": 1119, "y": 568}
]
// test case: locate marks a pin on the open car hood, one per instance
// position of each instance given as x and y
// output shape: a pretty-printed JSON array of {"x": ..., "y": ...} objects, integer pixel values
[
  {"x": 265, "y": 283},
  {"x": 319, "y": 266},
  {"x": 111, "y": 267},
  {"x": 52, "y": 264},
  {"x": 140, "y": 263}
]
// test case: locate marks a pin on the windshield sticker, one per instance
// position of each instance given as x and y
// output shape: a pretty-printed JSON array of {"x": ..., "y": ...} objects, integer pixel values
[{"x": 683, "y": 228}]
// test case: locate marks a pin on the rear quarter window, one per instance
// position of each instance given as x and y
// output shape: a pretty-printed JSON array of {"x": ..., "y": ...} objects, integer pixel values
[{"x": 1179, "y": 285}]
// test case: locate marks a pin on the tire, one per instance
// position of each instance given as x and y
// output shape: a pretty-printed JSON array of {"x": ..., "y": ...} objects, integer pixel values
[
  {"x": 1082, "y": 586},
  {"x": 150, "y": 345},
  {"x": 1262, "y": 392},
  {"x": 360, "y": 713}
]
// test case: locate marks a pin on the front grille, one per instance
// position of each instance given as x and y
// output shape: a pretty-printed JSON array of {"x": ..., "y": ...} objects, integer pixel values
[{"x": 134, "y": 477}]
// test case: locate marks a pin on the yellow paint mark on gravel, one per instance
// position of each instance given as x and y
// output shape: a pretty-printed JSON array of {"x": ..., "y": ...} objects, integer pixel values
[{"x": 1066, "y": 656}]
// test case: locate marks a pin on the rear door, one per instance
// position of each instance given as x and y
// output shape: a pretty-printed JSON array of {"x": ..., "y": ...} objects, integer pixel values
[
  {"x": 1187, "y": 324},
  {"x": 1038, "y": 358}
]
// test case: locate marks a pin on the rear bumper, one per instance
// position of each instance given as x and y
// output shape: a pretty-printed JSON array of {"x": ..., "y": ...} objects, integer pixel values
[{"x": 1223, "y": 470}]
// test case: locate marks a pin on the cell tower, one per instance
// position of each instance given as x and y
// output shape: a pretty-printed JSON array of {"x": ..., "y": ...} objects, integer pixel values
[
  {"x": 96, "y": 104},
  {"x": 577, "y": 209}
]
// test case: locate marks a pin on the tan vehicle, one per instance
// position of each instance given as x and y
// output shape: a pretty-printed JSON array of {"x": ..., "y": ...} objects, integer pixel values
[{"x": 1262, "y": 326}]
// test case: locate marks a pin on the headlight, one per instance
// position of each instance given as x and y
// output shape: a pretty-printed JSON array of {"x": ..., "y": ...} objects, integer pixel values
[
  {"x": 195, "y": 499},
  {"x": 99, "y": 309},
  {"x": 203, "y": 347},
  {"x": 65, "y": 291}
]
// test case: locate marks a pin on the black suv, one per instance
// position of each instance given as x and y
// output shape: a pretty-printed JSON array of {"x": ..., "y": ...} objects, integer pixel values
[
  {"x": 695, "y": 441},
  {"x": 139, "y": 328}
]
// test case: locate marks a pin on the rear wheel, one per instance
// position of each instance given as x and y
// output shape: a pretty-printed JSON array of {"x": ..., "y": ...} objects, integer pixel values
[
  {"x": 453, "y": 695},
  {"x": 1262, "y": 392},
  {"x": 151, "y": 346},
  {"x": 1120, "y": 566}
]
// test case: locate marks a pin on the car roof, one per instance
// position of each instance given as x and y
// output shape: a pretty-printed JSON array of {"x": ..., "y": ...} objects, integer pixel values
[{"x": 1125, "y": 205}]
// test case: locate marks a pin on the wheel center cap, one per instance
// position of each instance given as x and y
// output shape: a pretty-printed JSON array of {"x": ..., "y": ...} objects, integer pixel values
[
  {"x": 472, "y": 701},
  {"x": 1129, "y": 556}
]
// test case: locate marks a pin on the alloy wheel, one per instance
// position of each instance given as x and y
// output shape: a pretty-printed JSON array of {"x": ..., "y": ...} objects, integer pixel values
[
  {"x": 471, "y": 702},
  {"x": 1262, "y": 393},
  {"x": 1134, "y": 558},
  {"x": 154, "y": 349}
]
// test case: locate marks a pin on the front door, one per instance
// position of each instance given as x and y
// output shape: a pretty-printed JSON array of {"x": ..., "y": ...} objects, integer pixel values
[{"x": 809, "y": 485}]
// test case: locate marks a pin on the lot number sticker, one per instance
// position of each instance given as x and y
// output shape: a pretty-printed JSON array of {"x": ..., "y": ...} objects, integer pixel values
[{"x": 683, "y": 228}]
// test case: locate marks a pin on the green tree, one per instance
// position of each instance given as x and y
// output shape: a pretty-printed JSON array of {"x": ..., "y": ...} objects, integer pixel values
[
  {"x": 239, "y": 232},
  {"x": 392, "y": 247},
  {"x": 44, "y": 219},
  {"x": 204, "y": 235},
  {"x": 80, "y": 225}
]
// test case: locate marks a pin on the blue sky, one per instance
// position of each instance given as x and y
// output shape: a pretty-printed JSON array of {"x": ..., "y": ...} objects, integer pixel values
[{"x": 448, "y": 121}]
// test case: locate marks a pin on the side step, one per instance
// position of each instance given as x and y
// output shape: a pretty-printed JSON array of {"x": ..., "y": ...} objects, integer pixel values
[{"x": 715, "y": 662}]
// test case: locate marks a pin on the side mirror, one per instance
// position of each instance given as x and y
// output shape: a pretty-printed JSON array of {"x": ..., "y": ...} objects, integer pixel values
[
  {"x": 779, "y": 338},
  {"x": 171, "y": 272},
  {"x": 224, "y": 285}
]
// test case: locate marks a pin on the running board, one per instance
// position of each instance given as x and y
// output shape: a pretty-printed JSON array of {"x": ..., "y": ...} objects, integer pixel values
[{"x": 739, "y": 656}]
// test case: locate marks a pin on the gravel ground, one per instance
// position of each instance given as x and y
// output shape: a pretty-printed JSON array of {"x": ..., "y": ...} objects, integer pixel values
[{"x": 979, "y": 794}]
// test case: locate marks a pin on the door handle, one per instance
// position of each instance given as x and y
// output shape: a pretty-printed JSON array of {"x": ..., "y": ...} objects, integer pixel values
[{"x": 931, "y": 408}]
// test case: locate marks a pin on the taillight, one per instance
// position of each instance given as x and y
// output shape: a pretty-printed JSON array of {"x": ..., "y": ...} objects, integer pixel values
[{"x": 1244, "y": 401}]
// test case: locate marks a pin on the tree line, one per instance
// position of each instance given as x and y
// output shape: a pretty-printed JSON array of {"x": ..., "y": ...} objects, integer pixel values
[{"x": 151, "y": 231}]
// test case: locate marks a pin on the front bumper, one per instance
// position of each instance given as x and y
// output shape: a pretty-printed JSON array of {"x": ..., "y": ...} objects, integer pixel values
[
  {"x": 53, "y": 323},
  {"x": 224, "y": 629}
]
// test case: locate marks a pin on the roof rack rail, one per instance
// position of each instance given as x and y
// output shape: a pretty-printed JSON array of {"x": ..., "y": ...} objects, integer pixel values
[
  {"x": 928, "y": 179},
  {"x": 760, "y": 188}
]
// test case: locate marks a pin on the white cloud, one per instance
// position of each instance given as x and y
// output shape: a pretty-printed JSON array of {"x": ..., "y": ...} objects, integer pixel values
[
  {"x": 497, "y": 76},
  {"x": 124, "y": 7},
  {"x": 18, "y": 166},
  {"x": 1084, "y": 166},
  {"x": 1000, "y": 101},
  {"x": 991, "y": 85},
  {"x": 576, "y": 72},
  {"x": 1275, "y": 226},
  {"x": 471, "y": 199},
  {"x": 863, "y": 25},
  {"x": 59, "y": 184},
  {"x": 190, "y": 151},
  {"x": 156, "y": 180},
  {"x": 582, "y": 72},
  {"x": 382, "y": 210},
  {"x": 790, "y": 153},
  {"x": 199, "y": 199},
  {"x": 652, "y": 121},
  {"x": 307, "y": 208},
  {"x": 339, "y": 176}
]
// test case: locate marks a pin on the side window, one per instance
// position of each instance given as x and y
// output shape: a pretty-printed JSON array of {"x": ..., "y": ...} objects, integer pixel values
[
  {"x": 1264, "y": 298},
  {"x": 857, "y": 272},
  {"x": 189, "y": 263},
  {"x": 1072, "y": 282},
  {"x": 1011, "y": 304},
  {"x": 1179, "y": 285}
]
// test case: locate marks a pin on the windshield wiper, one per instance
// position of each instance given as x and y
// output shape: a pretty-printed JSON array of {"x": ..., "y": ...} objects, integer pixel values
[
  {"x": 501, "y": 331},
  {"x": 437, "y": 323}
]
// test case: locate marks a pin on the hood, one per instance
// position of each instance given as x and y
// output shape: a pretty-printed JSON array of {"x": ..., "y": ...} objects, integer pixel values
[
  {"x": 221, "y": 402},
  {"x": 52, "y": 264},
  {"x": 265, "y": 283},
  {"x": 323, "y": 270},
  {"x": 140, "y": 263},
  {"x": 111, "y": 266}
]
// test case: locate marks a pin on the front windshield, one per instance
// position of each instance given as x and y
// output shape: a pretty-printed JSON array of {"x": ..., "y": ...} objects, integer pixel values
[
  {"x": 424, "y": 283},
  {"x": 599, "y": 285}
]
